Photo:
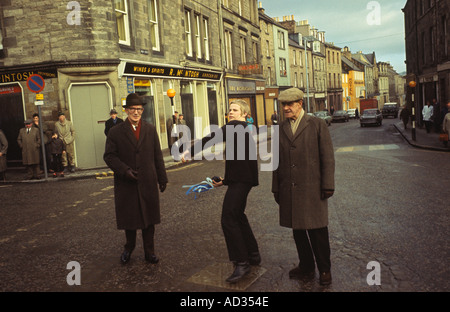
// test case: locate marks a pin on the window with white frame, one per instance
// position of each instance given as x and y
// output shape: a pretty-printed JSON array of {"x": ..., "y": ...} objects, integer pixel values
[
  {"x": 188, "y": 32},
  {"x": 295, "y": 56},
  {"x": 281, "y": 44},
  {"x": 228, "y": 49},
  {"x": 198, "y": 38},
  {"x": 123, "y": 26},
  {"x": 269, "y": 76},
  {"x": 240, "y": 7},
  {"x": 267, "y": 48},
  {"x": 154, "y": 28},
  {"x": 283, "y": 67},
  {"x": 206, "y": 38}
]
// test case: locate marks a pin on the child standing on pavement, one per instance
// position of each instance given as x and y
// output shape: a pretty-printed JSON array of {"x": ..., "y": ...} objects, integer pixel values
[{"x": 57, "y": 149}]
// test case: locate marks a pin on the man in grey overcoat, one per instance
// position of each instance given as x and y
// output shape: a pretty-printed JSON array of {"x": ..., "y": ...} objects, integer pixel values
[
  {"x": 29, "y": 141},
  {"x": 134, "y": 153},
  {"x": 302, "y": 183}
]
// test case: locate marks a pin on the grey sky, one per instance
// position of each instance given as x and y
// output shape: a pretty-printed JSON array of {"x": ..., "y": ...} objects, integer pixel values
[{"x": 352, "y": 23}]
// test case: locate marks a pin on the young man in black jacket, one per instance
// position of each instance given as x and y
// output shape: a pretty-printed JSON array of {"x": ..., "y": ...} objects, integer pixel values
[{"x": 241, "y": 174}]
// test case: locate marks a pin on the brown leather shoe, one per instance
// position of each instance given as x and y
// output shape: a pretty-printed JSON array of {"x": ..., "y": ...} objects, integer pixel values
[
  {"x": 299, "y": 273},
  {"x": 325, "y": 278}
]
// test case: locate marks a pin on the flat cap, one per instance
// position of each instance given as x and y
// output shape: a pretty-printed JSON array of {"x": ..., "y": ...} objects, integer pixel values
[
  {"x": 113, "y": 111},
  {"x": 133, "y": 99},
  {"x": 28, "y": 121},
  {"x": 291, "y": 95}
]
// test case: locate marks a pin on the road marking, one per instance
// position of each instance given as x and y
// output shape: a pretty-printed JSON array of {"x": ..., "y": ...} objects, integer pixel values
[
  {"x": 185, "y": 167},
  {"x": 364, "y": 148}
]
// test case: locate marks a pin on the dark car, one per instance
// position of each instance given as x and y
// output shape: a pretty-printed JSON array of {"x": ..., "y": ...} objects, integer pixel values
[
  {"x": 325, "y": 115},
  {"x": 371, "y": 117},
  {"x": 390, "y": 109},
  {"x": 340, "y": 115}
]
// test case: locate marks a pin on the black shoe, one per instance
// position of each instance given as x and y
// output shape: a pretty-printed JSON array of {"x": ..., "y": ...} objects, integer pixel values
[
  {"x": 254, "y": 258},
  {"x": 240, "y": 270},
  {"x": 299, "y": 273},
  {"x": 125, "y": 257},
  {"x": 325, "y": 278},
  {"x": 152, "y": 259}
]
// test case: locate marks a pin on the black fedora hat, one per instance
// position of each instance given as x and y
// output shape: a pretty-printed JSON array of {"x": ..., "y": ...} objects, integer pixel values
[{"x": 133, "y": 99}]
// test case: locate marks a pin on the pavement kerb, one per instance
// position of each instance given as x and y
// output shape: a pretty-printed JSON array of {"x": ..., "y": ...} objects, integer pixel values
[{"x": 421, "y": 146}]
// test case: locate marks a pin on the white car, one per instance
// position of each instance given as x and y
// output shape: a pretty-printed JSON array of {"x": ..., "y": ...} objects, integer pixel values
[{"x": 351, "y": 113}]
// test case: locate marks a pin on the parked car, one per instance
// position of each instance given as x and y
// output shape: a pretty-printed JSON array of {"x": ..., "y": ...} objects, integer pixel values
[
  {"x": 371, "y": 116},
  {"x": 340, "y": 115},
  {"x": 351, "y": 112},
  {"x": 325, "y": 115},
  {"x": 390, "y": 109}
]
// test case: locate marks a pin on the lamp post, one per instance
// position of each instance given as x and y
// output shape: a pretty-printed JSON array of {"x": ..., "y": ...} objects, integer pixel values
[
  {"x": 412, "y": 85},
  {"x": 171, "y": 94}
]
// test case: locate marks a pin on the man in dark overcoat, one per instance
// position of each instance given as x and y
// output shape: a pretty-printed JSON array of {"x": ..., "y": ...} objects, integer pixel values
[
  {"x": 302, "y": 183},
  {"x": 29, "y": 140},
  {"x": 134, "y": 153},
  {"x": 111, "y": 122}
]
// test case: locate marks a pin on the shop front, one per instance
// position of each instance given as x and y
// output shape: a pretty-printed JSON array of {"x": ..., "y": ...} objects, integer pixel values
[{"x": 197, "y": 95}]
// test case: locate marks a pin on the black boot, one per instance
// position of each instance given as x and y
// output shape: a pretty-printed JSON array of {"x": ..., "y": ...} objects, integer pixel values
[{"x": 240, "y": 270}]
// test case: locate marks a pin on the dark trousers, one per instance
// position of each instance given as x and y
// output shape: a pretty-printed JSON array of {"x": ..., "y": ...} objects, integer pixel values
[
  {"x": 310, "y": 244},
  {"x": 238, "y": 234},
  {"x": 32, "y": 171},
  {"x": 57, "y": 163},
  {"x": 428, "y": 125},
  {"x": 148, "y": 235}
]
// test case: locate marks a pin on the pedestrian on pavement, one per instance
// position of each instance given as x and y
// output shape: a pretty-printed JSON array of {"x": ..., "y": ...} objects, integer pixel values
[
  {"x": 111, "y": 122},
  {"x": 446, "y": 123},
  {"x": 427, "y": 113},
  {"x": 37, "y": 125},
  {"x": 356, "y": 113},
  {"x": 302, "y": 183},
  {"x": 133, "y": 152},
  {"x": 404, "y": 115},
  {"x": 66, "y": 132},
  {"x": 57, "y": 150},
  {"x": 3, "y": 151},
  {"x": 274, "y": 118},
  {"x": 436, "y": 115},
  {"x": 29, "y": 141},
  {"x": 241, "y": 175},
  {"x": 173, "y": 120}
]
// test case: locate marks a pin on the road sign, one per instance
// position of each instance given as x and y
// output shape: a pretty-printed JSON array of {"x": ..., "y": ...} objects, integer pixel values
[{"x": 35, "y": 83}]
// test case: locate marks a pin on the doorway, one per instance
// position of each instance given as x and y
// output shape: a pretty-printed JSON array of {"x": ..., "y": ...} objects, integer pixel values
[{"x": 90, "y": 105}]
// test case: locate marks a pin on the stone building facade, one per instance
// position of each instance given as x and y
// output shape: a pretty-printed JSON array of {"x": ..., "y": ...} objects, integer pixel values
[
  {"x": 92, "y": 54},
  {"x": 427, "y": 40}
]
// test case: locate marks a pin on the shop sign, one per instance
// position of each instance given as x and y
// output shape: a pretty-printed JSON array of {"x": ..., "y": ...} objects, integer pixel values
[
  {"x": 23, "y": 75},
  {"x": 169, "y": 72},
  {"x": 241, "y": 87},
  {"x": 10, "y": 89}
]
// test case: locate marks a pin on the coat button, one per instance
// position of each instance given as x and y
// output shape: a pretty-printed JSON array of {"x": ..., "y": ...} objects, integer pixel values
[
  {"x": 293, "y": 166},
  {"x": 293, "y": 184}
]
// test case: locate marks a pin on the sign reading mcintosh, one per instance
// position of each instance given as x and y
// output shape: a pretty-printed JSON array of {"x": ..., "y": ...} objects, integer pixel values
[{"x": 136, "y": 69}]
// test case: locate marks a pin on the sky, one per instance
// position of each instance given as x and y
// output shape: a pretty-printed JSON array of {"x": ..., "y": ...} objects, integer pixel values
[{"x": 362, "y": 25}]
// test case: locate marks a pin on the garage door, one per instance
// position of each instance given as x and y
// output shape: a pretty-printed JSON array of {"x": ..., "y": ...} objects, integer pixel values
[{"x": 90, "y": 106}]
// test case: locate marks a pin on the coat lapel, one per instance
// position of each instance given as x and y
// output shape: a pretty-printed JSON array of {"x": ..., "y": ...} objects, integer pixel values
[
  {"x": 287, "y": 130},
  {"x": 129, "y": 132}
]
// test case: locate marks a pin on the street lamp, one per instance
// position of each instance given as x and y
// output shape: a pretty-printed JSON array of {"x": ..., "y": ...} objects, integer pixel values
[
  {"x": 171, "y": 94},
  {"x": 412, "y": 85}
]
